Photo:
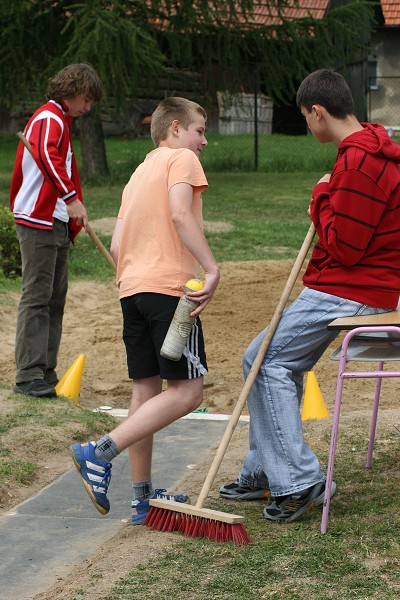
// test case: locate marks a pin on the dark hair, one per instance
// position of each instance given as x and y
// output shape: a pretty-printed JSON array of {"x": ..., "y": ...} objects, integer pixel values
[
  {"x": 330, "y": 90},
  {"x": 74, "y": 80}
]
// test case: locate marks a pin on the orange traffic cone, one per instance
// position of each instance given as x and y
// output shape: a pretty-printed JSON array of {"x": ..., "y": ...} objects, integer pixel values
[
  {"x": 70, "y": 385},
  {"x": 313, "y": 404}
]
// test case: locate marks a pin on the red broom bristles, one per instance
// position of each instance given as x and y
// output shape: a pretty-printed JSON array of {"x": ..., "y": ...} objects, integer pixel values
[{"x": 162, "y": 519}]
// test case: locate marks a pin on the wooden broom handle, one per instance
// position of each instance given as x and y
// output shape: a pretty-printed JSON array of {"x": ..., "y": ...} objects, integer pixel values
[
  {"x": 255, "y": 367},
  {"x": 102, "y": 248},
  {"x": 25, "y": 142},
  {"x": 91, "y": 233}
]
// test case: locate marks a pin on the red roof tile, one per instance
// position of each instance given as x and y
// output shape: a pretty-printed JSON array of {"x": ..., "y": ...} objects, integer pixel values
[
  {"x": 391, "y": 12},
  {"x": 264, "y": 15}
]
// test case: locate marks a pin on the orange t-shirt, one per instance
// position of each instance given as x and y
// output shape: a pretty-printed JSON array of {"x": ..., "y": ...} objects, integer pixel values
[{"x": 152, "y": 257}]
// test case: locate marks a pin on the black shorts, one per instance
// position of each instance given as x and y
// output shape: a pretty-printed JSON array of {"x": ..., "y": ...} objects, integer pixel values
[{"x": 147, "y": 317}]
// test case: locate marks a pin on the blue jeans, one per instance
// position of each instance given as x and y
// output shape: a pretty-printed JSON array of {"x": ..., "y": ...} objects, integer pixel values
[{"x": 279, "y": 459}]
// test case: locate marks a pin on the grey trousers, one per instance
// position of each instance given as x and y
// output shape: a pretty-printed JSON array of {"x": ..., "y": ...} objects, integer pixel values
[{"x": 44, "y": 257}]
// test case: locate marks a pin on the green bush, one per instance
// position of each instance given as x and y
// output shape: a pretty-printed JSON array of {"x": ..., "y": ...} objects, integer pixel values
[{"x": 10, "y": 256}]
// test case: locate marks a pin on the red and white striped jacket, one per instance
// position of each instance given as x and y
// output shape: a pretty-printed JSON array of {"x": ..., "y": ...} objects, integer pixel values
[{"x": 47, "y": 180}]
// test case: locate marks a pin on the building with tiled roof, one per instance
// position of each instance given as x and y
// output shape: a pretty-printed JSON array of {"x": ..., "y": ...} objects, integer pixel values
[
  {"x": 391, "y": 13},
  {"x": 264, "y": 14},
  {"x": 373, "y": 75},
  {"x": 383, "y": 62},
  {"x": 384, "y": 68}
]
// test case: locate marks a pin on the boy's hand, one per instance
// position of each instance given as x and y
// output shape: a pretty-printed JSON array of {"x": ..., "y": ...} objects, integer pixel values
[
  {"x": 326, "y": 178},
  {"x": 204, "y": 296},
  {"x": 77, "y": 212}
]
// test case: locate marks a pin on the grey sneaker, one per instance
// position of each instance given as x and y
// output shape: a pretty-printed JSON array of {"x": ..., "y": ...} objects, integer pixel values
[
  {"x": 241, "y": 491},
  {"x": 36, "y": 387},
  {"x": 289, "y": 508}
]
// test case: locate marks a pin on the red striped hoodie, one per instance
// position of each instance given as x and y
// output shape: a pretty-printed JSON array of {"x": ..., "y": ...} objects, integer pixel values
[
  {"x": 48, "y": 176},
  {"x": 357, "y": 218}
]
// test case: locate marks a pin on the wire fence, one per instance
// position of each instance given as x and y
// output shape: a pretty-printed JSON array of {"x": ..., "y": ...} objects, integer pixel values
[
  {"x": 384, "y": 102},
  {"x": 255, "y": 115},
  {"x": 247, "y": 131}
]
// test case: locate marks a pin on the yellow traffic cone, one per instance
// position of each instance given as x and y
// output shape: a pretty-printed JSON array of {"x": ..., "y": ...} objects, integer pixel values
[
  {"x": 70, "y": 385},
  {"x": 313, "y": 403}
]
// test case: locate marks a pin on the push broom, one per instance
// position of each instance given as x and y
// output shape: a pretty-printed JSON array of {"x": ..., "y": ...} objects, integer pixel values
[{"x": 195, "y": 520}]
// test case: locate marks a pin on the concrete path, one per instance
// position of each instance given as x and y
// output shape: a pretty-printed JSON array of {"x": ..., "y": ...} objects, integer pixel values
[{"x": 43, "y": 538}]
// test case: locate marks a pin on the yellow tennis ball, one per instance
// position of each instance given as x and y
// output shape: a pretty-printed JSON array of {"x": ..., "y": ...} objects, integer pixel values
[{"x": 194, "y": 284}]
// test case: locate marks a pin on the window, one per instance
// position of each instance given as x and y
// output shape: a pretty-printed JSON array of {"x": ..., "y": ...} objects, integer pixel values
[{"x": 373, "y": 75}]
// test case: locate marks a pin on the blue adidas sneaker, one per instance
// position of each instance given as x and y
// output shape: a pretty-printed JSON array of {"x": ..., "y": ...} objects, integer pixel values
[
  {"x": 140, "y": 508},
  {"x": 95, "y": 474}
]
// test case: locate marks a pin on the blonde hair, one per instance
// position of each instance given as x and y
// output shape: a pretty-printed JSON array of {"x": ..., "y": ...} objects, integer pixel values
[
  {"x": 75, "y": 80},
  {"x": 171, "y": 109}
]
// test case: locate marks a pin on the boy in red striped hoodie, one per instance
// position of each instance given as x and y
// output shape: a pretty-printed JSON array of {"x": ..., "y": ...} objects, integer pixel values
[
  {"x": 46, "y": 200},
  {"x": 354, "y": 270}
]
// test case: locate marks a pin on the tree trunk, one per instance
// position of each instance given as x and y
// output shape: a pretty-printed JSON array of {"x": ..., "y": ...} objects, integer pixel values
[{"x": 94, "y": 159}]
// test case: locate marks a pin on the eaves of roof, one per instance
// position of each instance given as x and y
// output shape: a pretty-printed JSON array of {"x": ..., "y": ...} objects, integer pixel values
[
  {"x": 391, "y": 12},
  {"x": 266, "y": 15},
  {"x": 317, "y": 9}
]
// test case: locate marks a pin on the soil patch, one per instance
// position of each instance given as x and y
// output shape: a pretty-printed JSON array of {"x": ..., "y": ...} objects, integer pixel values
[{"x": 242, "y": 307}]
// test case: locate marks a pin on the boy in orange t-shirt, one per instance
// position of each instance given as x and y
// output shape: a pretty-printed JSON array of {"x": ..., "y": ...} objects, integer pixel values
[{"x": 158, "y": 244}]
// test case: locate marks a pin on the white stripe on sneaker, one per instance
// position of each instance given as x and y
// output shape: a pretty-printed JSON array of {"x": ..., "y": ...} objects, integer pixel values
[
  {"x": 94, "y": 477},
  {"x": 95, "y": 467}
]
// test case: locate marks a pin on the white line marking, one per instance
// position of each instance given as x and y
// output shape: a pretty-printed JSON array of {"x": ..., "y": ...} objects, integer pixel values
[{"x": 122, "y": 413}]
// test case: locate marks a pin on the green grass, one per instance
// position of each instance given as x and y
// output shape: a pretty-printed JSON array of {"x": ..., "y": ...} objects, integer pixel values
[
  {"x": 266, "y": 211},
  {"x": 359, "y": 557},
  {"x": 277, "y": 153},
  {"x": 33, "y": 427},
  {"x": 21, "y": 471},
  {"x": 260, "y": 208}
]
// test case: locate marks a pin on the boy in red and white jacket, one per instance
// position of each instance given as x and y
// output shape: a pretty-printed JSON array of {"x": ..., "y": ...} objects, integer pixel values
[{"x": 46, "y": 200}]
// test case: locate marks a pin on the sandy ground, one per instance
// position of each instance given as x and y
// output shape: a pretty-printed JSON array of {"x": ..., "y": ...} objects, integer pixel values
[{"x": 242, "y": 307}]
